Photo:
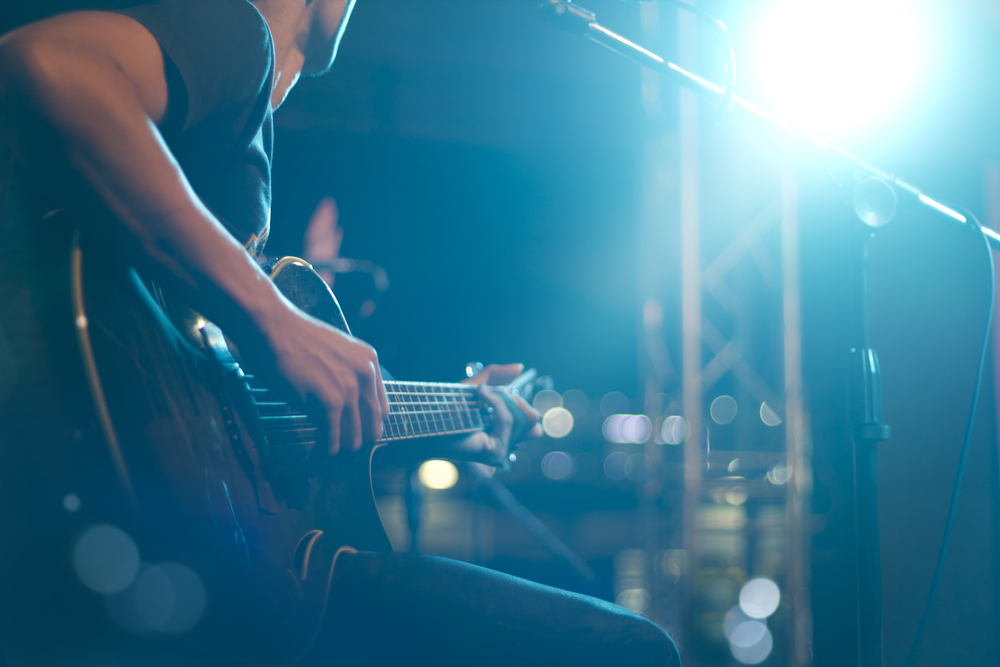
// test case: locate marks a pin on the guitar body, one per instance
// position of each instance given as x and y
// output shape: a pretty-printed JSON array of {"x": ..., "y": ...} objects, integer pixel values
[{"x": 206, "y": 490}]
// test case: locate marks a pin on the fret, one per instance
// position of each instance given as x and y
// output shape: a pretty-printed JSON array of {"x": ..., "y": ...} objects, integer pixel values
[
  {"x": 456, "y": 410},
  {"x": 449, "y": 418},
  {"x": 462, "y": 417},
  {"x": 462, "y": 407},
  {"x": 398, "y": 417},
  {"x": 407, "y": 402},
  {"x": 445, "y": 406},
  {"x": 466, "y": 422},
  {"x": 389, "y": 429},
  {"x": 411, "y": 418},
  {"x": 424, "y": 410},
  {"x": 416, "y": 409},
  {"x": 390, "y": 394}
]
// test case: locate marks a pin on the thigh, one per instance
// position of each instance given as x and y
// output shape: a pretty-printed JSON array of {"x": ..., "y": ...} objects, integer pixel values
[{"x": 405, "y": 609}]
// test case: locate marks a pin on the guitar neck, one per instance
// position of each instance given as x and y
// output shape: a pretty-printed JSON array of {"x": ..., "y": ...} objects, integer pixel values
[
  {"x": 422, "y": 409},
  {"x": 416, "y": 410}
]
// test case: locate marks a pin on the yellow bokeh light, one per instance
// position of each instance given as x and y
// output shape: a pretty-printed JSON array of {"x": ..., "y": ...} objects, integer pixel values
[{"x": 438, "y": 474}]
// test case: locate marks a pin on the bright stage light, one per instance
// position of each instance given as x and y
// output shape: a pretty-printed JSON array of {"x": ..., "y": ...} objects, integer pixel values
[{"x": 835, "y": 65}]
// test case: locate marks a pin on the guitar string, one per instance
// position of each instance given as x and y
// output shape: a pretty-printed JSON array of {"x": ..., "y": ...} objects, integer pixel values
[
  {"x": 400, "y": 408},
  {"x": 435, "y": 422},
  {"x": 425, "y": 428},
  {"x": 384, "y": 438},
  {"x": 440, "y": 417},
  {"x": 446, "y": 409},
  {"x": 402, "y": 423},
  {"x": 427, "y": 425},
  {"x": 396, "y": 430}
]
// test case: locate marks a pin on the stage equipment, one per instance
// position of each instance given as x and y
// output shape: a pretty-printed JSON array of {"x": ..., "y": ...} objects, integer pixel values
[
  {"x": 875, "y": 204},
  {"x": 583, "y": 23},
  {"x": 837, "y": 64}
]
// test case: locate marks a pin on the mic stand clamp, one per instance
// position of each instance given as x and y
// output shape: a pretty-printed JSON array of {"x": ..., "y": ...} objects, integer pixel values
[{"x": 571, "y": 18}]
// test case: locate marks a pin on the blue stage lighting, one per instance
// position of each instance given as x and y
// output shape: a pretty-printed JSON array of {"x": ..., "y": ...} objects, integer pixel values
[{"x": 837, "y": 65}]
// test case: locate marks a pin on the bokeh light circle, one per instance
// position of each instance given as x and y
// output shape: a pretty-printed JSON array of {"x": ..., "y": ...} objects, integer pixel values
[
  {"x": 674, "y": 430},
  {"x": 558, "y": 465},
  {"x": 613, "y": 402},
  {"x": 732, "y": 619},
  {"x": 155, "y": 597},
  {"x": 768, "y": 415},
  {"x": 636, "y": 600},
  {"x": 637, "y": 428},
  {"x": 105, "y": 559},
  {"x": 638, "y": 467},
  {"x": 167, "y": 598},
  {"x": 779, "y": 474},
  {"x": 723, "y": 409},
  {"x": 189, "y": 598},
  {"x": 759, "y": 598},
  {"x": 755, "y": 653},
  {"x": 614, "y": 465},
  {"x": 737, "y": 495},
  {"x": 545, "y": 400},
  {"x": 747, "y": 633},
  {"x": 437, "y": 474},
  {"x": 557, "y": 422},
  {"x": 576, "y": 402},
  {"x": 71, "y": 502},
  {"x": 627, "y": 428}
]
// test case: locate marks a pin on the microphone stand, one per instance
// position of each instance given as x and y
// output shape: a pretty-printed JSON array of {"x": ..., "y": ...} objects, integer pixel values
[
  {"x": 583, "y": 23},
  {"x": 875, "y": 203}
]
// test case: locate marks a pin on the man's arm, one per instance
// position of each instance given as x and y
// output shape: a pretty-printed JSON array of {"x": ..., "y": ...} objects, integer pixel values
[{"x": 95, "y": 80}]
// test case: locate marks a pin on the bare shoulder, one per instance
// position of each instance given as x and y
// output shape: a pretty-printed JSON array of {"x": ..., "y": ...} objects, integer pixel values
[{"x": 59, "y": 45}]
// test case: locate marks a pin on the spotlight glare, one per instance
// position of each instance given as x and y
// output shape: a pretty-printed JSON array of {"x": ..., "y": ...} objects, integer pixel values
[{"x": 833, "y": 65}]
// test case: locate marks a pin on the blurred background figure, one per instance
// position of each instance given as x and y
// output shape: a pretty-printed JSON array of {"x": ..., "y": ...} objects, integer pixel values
[{"x": 323, "y": 237}]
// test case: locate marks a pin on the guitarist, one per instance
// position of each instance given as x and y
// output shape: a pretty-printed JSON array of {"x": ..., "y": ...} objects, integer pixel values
[{"x": 148, "y": 130}]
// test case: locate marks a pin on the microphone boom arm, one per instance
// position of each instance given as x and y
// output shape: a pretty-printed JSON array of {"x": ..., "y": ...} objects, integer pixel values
[{"x": 582, "y": 23}]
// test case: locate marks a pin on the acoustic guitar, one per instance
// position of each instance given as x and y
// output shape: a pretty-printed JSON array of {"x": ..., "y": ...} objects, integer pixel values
[{"x": 221, "y": 468}]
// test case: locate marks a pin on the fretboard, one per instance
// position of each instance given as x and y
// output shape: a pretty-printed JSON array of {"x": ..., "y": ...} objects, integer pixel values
[{"x": 416, "y": 410}]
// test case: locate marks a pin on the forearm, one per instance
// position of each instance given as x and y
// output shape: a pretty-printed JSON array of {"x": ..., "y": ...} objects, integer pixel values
[
  {"x": 101, "y": 126},
  {"x": 94, "y": 85}
]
